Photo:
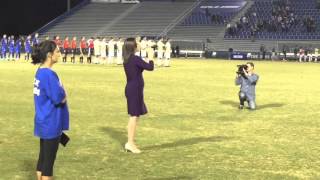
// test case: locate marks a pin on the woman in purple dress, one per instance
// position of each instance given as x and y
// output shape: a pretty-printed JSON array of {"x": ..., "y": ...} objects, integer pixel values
[{"x": 133, "y": 67}]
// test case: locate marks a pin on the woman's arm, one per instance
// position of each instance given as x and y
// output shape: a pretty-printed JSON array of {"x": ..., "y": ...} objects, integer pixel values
[
  {"x": 144, "y": 65},
  {"x": 55, "y": 90}
]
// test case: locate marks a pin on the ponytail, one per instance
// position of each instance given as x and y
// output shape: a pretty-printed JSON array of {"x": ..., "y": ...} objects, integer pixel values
[{"x": 39, "y": 52}]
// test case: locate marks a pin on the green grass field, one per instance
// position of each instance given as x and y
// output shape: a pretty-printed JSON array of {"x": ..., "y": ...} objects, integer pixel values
[{"x": 193, "y": 129}]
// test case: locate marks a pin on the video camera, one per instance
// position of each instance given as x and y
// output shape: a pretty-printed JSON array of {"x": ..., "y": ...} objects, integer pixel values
[{"x": 241, "y": 69}]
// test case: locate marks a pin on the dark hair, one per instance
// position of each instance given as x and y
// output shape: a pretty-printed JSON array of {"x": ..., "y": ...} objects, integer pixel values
[
  {"x": 39, "y": 52},
  {"x": 129, "y": 48},
  {"x": 251, "y": 63}
]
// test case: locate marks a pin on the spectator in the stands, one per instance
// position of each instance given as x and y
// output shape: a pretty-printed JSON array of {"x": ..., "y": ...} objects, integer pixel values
[
  {"x": 230, "y": 53},
  {"x": 284, "y": 51},
  {"x": 263, "y": 51},
  {"x": 295, "y": 52},
  {"x": 274, "y": 54},
  {"x": 207, "y": 12},
  {"x": 177, "y": 51}
]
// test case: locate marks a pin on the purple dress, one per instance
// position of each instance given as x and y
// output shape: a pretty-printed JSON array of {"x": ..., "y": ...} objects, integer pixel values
[{"x": 135, "y": 84}]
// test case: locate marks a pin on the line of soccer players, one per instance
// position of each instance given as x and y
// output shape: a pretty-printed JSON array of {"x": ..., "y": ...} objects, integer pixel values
[
  {"x": 11, "y": 47},
  {"x": 305, "y": 55},
  {"x": 103, "y": 50},
  {"x": 99, "y": 50}
]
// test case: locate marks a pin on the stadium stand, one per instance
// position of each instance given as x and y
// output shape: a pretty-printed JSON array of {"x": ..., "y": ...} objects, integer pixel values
[
  {"x": 148, "y": 18},
  {"x": 197, "y": 25},
  {"x": 278, "y": 20}
]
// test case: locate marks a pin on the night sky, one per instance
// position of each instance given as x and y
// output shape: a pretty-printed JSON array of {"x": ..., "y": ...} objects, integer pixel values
[{"x": 22, "y": 17}]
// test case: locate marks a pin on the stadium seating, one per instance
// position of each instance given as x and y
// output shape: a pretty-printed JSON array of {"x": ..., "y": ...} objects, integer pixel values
[
  {"x": 263, "y": 10},
  {"x": 214, "y": 12},
  {"x": 184, "y": 21},
  {"x": 116, "y": 19}
]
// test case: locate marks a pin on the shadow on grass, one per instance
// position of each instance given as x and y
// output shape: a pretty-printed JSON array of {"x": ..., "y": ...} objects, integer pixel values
[
  {"x": 274, "y": 105},
  {"x": 29, "y": 166},
  {"x": 171, "y": 116},
  {"x": 259, "y": 107},
  {"x": 119, "y": 135},
  {"x": 230, "y": 103},
  {"x": 187, "y": 142},
  {"x": 170, "y": 178}
]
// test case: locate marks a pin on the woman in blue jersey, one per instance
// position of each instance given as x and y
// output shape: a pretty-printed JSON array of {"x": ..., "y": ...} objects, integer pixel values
[
  {"x": 18, "y": 48},
  {"x": 11, "y": 47},
  {"x": 27, "y": 48},
  {"x": 51, "y": 110},
  {"x": 4, "y": 44}
]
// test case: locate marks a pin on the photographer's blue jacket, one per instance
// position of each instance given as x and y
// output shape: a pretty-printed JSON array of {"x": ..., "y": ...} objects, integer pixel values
[
  {"x": 51, "y": 116},
  {"x": 248, "y": 85}
]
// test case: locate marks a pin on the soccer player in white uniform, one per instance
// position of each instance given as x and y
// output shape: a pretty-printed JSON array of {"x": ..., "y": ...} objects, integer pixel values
[
  {"x": 316, "y": 54},
  {"x": 120, "y": 44},
  {"x": 138, "y": 41},
  {"x": 310, "y": 55},
  {"x": 167, "y": 54},
  {"x": 111, "y": 44},
  {"x": 143, "y": 45},
  {"x": 103, "y": 50},
  {"x": 301, "y": 54},
  {"x": 160, "y": 47},
  {"x": 150, "y": 49},
  {"x": 97, "y": 50}
]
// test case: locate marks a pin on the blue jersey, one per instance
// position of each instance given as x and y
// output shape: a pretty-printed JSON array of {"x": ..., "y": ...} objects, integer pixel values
[
  {"x": 11, "y": 46},
  {"x": 35, "y": 41},
  {"x": 51, "y": 116},
  {"x": 18, "y": 46},
  {"x": 28, "y": 46},
  {"x": 4, "y": 44}
]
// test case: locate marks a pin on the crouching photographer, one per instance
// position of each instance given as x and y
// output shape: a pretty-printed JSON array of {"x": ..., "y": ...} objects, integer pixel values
[{"x": 247, "y": 80}]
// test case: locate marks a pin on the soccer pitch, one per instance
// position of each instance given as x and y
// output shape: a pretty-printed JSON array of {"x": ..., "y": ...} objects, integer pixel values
[{"x": 193, "y": 130}]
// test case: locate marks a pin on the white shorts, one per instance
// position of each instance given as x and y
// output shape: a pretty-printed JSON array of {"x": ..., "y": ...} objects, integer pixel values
[
  {"x": 103, "y": 54},
  {"x": 160, "y": 55},
  {"x": 143, "y": 53},
  {"x": 97, "y": 53},
  {"x": 111, "y": 54},
  {"x": 167, "y": 55},
  {"x": 119, "y": 54}
]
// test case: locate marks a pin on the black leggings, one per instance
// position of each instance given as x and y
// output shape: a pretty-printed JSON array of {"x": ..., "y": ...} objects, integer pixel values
[{"x": 47, "y": 155}]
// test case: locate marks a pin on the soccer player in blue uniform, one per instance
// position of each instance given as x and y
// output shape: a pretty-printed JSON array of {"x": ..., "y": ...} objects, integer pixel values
[
  {"x": 27, "y": 47},
  {"x": 35, "y": 40},
  {"x": 11, "y": 47},
  {"x": 4, "y": 44},
  {"x": 18, "y": 48},
  {"x": 51, "y": 109}
]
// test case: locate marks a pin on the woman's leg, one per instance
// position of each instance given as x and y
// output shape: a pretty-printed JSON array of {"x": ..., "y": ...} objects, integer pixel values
[
  {"x": 40, "y": 161},
  {"x": 50, "y": 148},
  {"x": 130, "y": 145},
  {"x": 132, "y": 125}
]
